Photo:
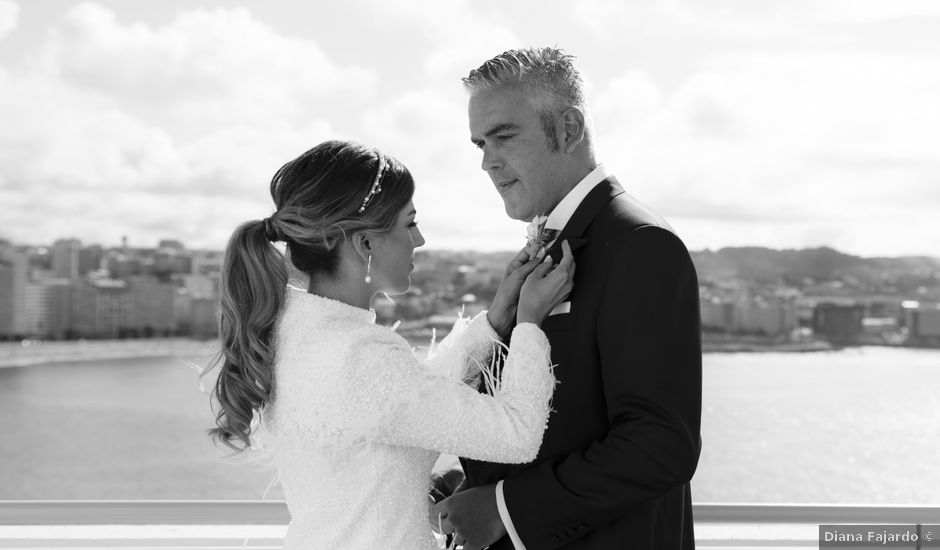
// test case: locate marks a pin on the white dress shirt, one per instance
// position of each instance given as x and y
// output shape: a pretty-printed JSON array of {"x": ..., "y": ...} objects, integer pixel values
[{"x": 558, "y": 218}]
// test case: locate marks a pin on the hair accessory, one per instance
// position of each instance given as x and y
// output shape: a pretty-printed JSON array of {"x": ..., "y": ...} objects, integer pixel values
[
  {"x": 369, "y": 270},
  {"x": 376, "y": 184},
  {"x": 271, "y": 232}
]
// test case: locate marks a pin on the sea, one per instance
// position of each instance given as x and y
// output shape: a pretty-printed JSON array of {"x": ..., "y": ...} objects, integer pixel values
[{"x": 853, "y": 426}]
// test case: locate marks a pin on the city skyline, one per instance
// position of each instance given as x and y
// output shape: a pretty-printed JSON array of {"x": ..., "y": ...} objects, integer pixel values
[
  {"x": 162, "y": 242},
  {"x": 785, "y": 125},
  {"x": 749, "y": 298}
]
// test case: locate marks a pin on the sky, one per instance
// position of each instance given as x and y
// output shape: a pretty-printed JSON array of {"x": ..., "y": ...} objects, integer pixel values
[{"x": 779, "y": 123}]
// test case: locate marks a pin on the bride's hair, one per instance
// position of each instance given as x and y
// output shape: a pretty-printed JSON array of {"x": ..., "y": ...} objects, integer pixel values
[{"x": 318, "y": 198}]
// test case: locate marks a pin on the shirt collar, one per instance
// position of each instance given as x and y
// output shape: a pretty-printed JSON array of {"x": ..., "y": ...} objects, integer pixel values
[{"x": 565, "y": 209}]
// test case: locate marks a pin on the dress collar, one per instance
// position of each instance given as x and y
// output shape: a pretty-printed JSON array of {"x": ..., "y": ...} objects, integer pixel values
[
  {"x": 560, "y": 215},
  {"x": 328, "y": 307}
]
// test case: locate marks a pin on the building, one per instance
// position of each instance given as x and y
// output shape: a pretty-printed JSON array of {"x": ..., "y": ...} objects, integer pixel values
[
  {"x": 60, "y": 307},
  {"x": 717, "y": 315},
  {"x": 207, "y": 263},
  {"x": 199, "y": 286},
  {"x": 14, "y": 275},
  {"x": 48, "y": 308},
  {"x": 38, "y": 309},
  {"x": 838, "y": 322},
  {"x": 769, "y": 318},
  {"x": 152, "y": 307},
  {"x": 922, "y": 320},
  {"x": 90, "y": 259},
  {"x": 102, "y": 308},
  {"x": 204, "y": 321},
  {"x": 65, "y": 258},
  {"x": 7, "y": 296},
  {"x": 750, "y": 316},
  {"x": 171, "y": 244}
]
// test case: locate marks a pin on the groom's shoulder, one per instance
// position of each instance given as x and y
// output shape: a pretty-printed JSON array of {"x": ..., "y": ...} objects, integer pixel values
[
  {"x": 625, "y": 214},
  {"x": 627, "y": 223}
]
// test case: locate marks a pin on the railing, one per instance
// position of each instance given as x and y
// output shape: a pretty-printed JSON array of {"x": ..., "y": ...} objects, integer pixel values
[{"x": 256, "y": 525}]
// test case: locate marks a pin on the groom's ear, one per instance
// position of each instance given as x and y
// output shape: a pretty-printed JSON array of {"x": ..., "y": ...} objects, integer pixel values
[{"x": 572, "y": 129}]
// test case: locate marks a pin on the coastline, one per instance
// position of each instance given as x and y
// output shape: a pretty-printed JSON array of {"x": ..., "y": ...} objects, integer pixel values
[
  {"x": 38, "y": 352},
  {"x": 745, "y": 346}
]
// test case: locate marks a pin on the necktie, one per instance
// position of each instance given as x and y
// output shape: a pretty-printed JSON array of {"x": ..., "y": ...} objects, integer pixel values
[{"x": 547, "y": 237}]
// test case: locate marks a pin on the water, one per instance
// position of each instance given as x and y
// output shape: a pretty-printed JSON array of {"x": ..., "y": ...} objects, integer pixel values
[{"x": 853, "y": 426}]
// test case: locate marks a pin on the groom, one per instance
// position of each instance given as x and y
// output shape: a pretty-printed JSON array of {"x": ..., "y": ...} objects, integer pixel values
[{"x": 623, "y": 441}]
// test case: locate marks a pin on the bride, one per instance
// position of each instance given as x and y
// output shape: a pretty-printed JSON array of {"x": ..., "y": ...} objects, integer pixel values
[{"x": 353, "y": 420}]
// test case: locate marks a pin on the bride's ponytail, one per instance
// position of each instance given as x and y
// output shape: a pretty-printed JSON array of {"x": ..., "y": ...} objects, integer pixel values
[{"x": 254, "y": 276}]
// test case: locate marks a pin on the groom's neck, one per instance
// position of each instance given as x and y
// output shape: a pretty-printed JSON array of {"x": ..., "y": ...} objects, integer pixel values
[{"x": 578, "y": 172}]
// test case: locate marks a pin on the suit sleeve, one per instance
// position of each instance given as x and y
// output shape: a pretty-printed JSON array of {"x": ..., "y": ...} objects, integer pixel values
[{"x": 648, "y": 336}]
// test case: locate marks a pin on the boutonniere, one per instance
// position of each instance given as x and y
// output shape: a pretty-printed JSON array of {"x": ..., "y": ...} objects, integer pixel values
[{"x": 533, "y": 232}]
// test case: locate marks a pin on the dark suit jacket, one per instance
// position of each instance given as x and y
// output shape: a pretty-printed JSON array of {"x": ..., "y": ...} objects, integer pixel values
[{"x": 623, "y": 439}]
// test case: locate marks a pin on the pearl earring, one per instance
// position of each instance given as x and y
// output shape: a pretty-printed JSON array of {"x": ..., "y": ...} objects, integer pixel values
[{"x": 369, "y": 270}]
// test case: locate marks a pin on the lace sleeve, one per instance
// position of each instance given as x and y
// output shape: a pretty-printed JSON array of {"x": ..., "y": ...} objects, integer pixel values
[
  {"x": 403, "y": 403},
  {"x": 465, "y": 351}
]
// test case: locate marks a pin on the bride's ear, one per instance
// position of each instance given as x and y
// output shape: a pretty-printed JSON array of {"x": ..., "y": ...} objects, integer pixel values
[{"x": 364, "y": 243}]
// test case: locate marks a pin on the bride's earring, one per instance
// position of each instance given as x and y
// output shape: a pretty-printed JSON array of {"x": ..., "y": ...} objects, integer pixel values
[{"x": 369, "y": 270}]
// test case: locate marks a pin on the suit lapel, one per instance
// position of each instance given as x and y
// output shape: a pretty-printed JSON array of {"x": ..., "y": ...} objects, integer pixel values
[{"x": 592, "y": 204}]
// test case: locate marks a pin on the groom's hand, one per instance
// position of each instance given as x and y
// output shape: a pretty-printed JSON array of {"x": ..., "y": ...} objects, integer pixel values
[{"x": 472, "y": 516}]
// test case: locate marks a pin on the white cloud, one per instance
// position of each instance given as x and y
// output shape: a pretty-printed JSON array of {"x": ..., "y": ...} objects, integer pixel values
[
  {"x": 871, "y": 11},
  {"x": 775, "y": 123},
  {"x": 9, "y": 17},
  {"x": 785, "y": 149},
  {"x": 205, "y": 68},
  {"x": 125, "y": 128}
]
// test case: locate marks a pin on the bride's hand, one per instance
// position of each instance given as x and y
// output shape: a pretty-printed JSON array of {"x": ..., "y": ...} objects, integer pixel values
[
  {"x": 502, "y": 312},
  {"x": 546, "y": 287}
]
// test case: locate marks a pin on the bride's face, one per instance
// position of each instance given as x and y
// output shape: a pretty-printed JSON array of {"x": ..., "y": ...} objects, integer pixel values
[{"x": 393, "y": 256}]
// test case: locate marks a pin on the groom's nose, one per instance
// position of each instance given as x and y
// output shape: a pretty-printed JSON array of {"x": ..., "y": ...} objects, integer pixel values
[{"x": 491, "y": 161}]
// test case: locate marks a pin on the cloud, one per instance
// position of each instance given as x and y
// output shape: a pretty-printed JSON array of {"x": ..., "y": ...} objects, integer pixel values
[
  {"x": 119, "y": 128},
  {"x": 779, "y": 123},
  {"x": 784, "y": 147},
  {"x": 205, "y": 68},
  {"x": 872, "y": 11},
  {"x": 9, "y": 17}
]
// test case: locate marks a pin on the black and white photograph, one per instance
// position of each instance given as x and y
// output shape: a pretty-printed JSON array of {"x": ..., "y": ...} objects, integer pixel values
[{"x": 607, "y": 274}]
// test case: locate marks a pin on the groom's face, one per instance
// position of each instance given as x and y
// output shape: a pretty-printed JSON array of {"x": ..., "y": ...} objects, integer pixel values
[{"x": 516, "y": 152}]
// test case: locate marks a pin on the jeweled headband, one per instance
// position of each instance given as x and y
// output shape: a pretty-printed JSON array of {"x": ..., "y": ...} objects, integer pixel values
[{"x": 377, "y": 184}]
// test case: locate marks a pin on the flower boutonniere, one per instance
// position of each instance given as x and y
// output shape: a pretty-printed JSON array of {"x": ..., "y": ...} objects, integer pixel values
[{"x": 533, "y": 232}]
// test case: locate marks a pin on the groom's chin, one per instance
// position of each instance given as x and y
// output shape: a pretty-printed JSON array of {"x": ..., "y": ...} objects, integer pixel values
[{"x": 516, "y": 213}]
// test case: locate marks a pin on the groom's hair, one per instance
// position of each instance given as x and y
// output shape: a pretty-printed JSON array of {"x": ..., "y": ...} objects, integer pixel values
[{"x": 547, "y": 75}]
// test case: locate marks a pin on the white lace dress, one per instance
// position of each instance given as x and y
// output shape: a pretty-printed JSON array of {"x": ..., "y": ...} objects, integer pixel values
[{"x": 358, "y": 421}]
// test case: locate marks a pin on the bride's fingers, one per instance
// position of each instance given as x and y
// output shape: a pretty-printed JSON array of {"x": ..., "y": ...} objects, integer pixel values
[
  {"x": 567, "y": 257},
  {"x": 520, "y": 259},
  {"x": 544, "y": 267},
  {"x": 527, "y": 268}
]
